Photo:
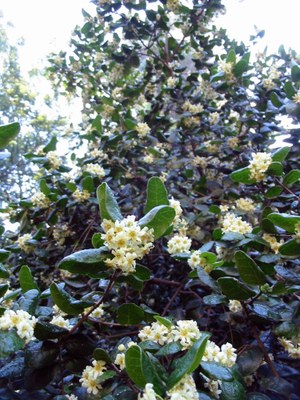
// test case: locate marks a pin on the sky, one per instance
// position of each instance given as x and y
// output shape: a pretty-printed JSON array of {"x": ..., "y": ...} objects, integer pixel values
[{"x": 47, "y": 25}]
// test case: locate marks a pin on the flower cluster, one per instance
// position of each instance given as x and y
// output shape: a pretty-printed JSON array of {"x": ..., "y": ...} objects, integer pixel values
[
  {"x": 179, "y": 244},
  {"x": 95, "y": 169},
  {"x": 292, "y": 346},
  {"x": 23, "y": 243},
  {"x": 60, "y": 233},
  {"x": 53, "y": 159},
  {"x": 81, "y": 196},
  {"x": 142, "y": 129},
  {"x": 226, "y": 355},
  {"x": 127, "y": 241},
  {"x": 235, "y": 306},
  {"x": 90, "y": 375},
  {"x": 259, "y": 164},
  {"x": 245, "y": 204},
  {"x": 196, "y": 260},
  {"x": 184, "y": 331},
  {"x": 40, "y": 200},
  {"x": 232, "y": 223},
  {"x": 274, "y": 244},
  {"x": 297, "y": 231},
  {"x": 192, "y": 108},
  {"x": 185, "y": 389},
  {"x": 21, "y": 320},
  {"x": 296, "y": 97}
]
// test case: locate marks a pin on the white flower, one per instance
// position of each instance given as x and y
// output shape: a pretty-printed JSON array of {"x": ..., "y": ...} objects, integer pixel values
[
  {"x": 148, "y": 394},
  {"x": 187, "y": 332},
  {"x": 232, "y": 223},
  {"x": 179, "y": 244},
  {"x": 259, "y": 164},
  {"x": 235, "y": 306}
]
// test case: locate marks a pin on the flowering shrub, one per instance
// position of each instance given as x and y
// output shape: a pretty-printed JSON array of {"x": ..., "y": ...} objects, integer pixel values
[{"x": 159, "y": 258}]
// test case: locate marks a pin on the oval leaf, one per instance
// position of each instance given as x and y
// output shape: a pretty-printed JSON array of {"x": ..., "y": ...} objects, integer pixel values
[
  {"x": 234, "y": 289},
  {"x": 129, "y": 314},
  {"x": 159, "y": 219},
  {"x": 108, "y": 205},
  {"x": 8, "y": 133},
  {"x": 156, "y": 194},
  {"x": 249, "y": 271}
]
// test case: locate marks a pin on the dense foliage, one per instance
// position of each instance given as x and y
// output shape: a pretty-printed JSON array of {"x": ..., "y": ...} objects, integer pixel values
[{"x": 160, "y": 258}]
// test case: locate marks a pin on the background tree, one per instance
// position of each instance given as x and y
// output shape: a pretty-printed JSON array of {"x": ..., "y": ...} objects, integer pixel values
[{"x": 18, "y": 102}]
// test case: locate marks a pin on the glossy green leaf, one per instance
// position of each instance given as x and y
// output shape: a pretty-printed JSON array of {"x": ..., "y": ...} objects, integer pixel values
[
  {"x": 108, "y": 205},
  {"x": 291, "y": 248},
  {"x": 164, "y": 321},
  {"x": 8, "y": 133},
  {"x": 234, "y": 289},
  {"x": 285, "y": 221},
  {"x": 130, "y": 314},
  {"x": 295, "y": 73},
  {"x": 89, "y": 262},
  {"x": 44, "y": 331},
  {"x": 26, "y": 279},
  {"x": 289, "y": 90},
  {"x": 4, "y": 274},
  {"x": 29, "y": 301},
  {"x": 264, "y": 311},
  {"x": 275, "y": 169},
  {"x": 64, "y": 301},
  {"x": 10, "y": 342},
  {"x": 250, "y": 360},
  {"x": 206, "y": 279},
  {"x": 231, "y": 57},
  {"x": 100, "y": 354},
  {"x": 248, "y": 269},
  {"x": 190, "y": 361},
  {"x": 41, "y": 354},
  {"x": 239, "y": 68},
  {"x": 51, "y": 145},
  {"x": 232, "y": 390},
  {"x": 159, "y": 219},
  {"x": 3, "y": 289},
  {"x": 168, "y": 349},
  {"x": 4, "y": 254},
  {"x": 156, "y": 194},
  {"x": 88, "y": 184},
  {"x": 291, "y": 177},
  {"x": 216, "y": 371},
  {"x": 97, "y": 240},
  {"x": 275, "y": 99},
  {"x": 44, "y": 188},
  {"x": 242, "y": 176},
  {"x": 273, "y": 192},
  {"x": 281, "y": 154}
]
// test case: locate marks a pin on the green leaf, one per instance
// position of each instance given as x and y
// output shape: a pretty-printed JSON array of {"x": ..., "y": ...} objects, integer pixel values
[
  {"x": 291, "y": 177},
  {"x": 8, "y": 133},
  {"x": 265, "y": 312},
  {"x": 206, "y": 279},
  {"x": 29, "y": 301},
  {"x": 10, "y": 342},
  {"x": 275, "y": 100},
  {"x": 214, "y": 299},
  {"x": 190, "y": 361},
  {"x": 4, "y": 274},
  {"x": 51, "y": 145},
  {"x": 239, "y": 68},
  {"x": 130, "y": 314},
  {"x": 231, "y": 57},
  {"x": 4, "y": 254},
  {"x": 89, "y": 262},
  {"x": 249, "y": 361},
  {"x": 249, "y": 271},
  {"x": 234, "y": 289},
  {"x": 216, "y": 371},
  {"x": 41, "y": 355},
  {"x": 168, "y": 349},
  {"x": 275, "y": 169},
  {"x": 159, "y": 219},
  {"x": 242, "y": 176},
  {"x": 164, "y": 321},
  {"x": 156, "y": 194},
  {"x": 281, "y": 154},
  {"x": 26, "y": 279},
  {"x": 88, "y": 184},
  {"x": 257, "y": 396},
  {"x": 295, "y": 73},
  {"x": 289, "y": 90},
  {"x": 290, "y": 248},
  {"x": 232, "y": 390},
  {"x": 45, "y": 330},
  {"x": 44, "y": 188},
  {"x": 108, "y": 205},
  {"x": 100, "y": 354},
  {"x": 64, "y": 301},
  {"x": 274, "y": 191},
  {"x": 285, "y": 221},
  {"x": 134, "y": 362},
  {"x": 97, "y": 240}
]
